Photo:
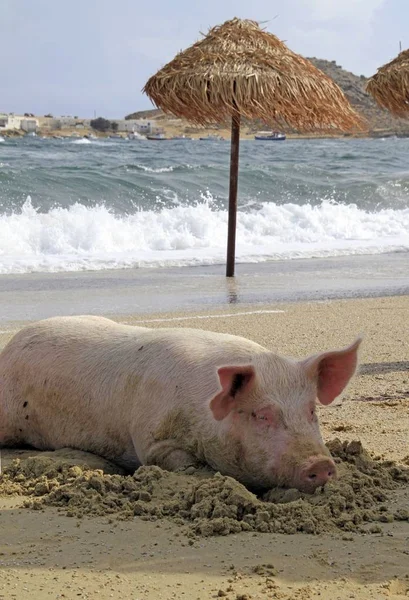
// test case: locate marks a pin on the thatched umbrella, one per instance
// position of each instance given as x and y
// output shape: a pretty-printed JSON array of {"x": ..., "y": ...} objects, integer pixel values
[
  {"x": 239, "y": 70},
  {"x": 390, "y": 85}
]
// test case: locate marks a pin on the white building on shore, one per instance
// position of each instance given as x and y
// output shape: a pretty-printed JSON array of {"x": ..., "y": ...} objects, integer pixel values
[
  {"x": 15, "y": 122},
  {"x": 29, "y": 125},
  {"x": 9, "y": 121},
  {"x": 144, "y": 126}
]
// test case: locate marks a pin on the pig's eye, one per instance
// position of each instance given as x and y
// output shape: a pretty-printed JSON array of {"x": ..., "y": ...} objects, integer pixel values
[
  {"x": 313, "y": 414},
  {"x": 259, "y": 417},
  {"x": 264, "y": 416}
]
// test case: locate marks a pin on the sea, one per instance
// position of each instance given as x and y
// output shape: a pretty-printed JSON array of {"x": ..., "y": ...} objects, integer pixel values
[{"x": 70, "y": 205}]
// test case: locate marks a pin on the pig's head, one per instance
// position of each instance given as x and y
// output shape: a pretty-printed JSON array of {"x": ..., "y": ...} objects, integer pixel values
[{"x": 267, "y": 410}]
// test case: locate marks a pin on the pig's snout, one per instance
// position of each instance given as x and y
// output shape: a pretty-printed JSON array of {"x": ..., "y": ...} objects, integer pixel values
[{"x": 317, "y": 473}]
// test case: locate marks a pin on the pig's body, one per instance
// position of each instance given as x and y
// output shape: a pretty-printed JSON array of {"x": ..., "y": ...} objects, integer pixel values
[{"x": 171, "y": 397}]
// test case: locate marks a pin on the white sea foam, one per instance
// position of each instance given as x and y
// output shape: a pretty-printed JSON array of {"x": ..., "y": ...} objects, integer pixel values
[
  {"x": 79, "y": 238},
  {"x": 147, "y": 169},
  {"x": 82, "y": 141},
  {"x": 157, "y": 170}
]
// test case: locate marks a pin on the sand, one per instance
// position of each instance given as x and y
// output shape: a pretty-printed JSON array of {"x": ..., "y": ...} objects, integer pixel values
[{"x": 92, "y": 532}]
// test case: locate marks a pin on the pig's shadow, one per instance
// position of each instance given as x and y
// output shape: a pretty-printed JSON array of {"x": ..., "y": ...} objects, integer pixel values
[{"x": 384, "y": 367}]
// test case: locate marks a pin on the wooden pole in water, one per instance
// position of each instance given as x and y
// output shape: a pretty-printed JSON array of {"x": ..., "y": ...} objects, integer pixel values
[{"x": 234, "y": 174}]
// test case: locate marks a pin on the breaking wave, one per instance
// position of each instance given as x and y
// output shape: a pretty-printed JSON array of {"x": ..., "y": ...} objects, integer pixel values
[{"x": 92, "y": 238}]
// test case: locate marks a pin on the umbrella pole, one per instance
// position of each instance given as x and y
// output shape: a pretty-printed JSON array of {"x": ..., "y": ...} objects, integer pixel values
[{"x": 234, "y": 174}]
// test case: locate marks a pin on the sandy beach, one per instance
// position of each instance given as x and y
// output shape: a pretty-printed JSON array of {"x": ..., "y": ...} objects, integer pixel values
[{"x": 47, "y": 554}]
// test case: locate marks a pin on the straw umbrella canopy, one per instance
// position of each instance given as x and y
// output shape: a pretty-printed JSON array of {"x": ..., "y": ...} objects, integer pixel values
[
  {"x": 239, "y": 70},
  {"x": 390, "y": 85}
]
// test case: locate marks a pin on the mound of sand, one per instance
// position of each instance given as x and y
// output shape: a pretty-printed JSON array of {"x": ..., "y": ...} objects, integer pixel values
[{"x": 208, "y": 503}]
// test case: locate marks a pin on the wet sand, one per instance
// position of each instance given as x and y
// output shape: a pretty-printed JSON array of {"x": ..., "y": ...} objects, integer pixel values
[
  {"x": 137, "y": 291},
  {"x": 44, "y": 554}
]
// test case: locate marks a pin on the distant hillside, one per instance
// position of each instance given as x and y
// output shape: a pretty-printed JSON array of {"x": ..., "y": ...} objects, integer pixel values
[
  {"x": 380, "y": 122},
  {"x": 145, "y": 114},
  {"x": 353, "y": 87}
]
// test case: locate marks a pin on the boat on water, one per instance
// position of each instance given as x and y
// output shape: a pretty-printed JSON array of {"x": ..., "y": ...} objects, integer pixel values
[
  {"x": 212, "y": 138},
  {"x": 2, "y": 139},
  {"x": 181, "y": 137},
  {"x": 157, "y": 137},
  {"x": 270, "y": 136}
]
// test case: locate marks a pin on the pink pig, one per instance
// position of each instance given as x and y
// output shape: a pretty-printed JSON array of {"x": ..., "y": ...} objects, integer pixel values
[{"x": 171, "y": 397}]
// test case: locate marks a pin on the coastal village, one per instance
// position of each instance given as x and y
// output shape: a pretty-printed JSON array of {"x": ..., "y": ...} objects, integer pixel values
[
  {"x": 158, "y": 128},
  {"x": 63, "y": 126}
]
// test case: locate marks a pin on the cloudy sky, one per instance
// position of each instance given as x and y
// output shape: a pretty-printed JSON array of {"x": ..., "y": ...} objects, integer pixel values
[{"x": 74, "y": 57}]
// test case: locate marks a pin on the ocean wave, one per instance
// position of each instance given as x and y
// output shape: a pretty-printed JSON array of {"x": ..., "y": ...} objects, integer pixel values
[
  {"x": 92, "y": 238},
  {"x": 82, "y": 141},
  {"x": 170, "y": 169},
  {"x": 153, "y": 170}
]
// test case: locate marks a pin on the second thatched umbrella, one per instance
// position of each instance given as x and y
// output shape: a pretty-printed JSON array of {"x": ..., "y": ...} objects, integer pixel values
[
  {"x": 239, "y": 70},
  {"x": 390, "y": 85}
]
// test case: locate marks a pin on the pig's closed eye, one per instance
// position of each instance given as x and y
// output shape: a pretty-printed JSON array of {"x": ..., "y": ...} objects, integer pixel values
[
  {"x": 264, "y": 416},
  {"x": 259, "y": 417}
]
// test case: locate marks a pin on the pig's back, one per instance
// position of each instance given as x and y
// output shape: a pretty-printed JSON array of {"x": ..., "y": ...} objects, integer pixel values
[
  {"x": 86, "y": 341},
  {"x": 76, "y": 381}
]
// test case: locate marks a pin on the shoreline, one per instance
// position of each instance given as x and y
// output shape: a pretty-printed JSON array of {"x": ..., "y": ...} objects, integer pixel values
[
  {"x": 195, "y": 136},
  {"x": 159, "y": 290}
]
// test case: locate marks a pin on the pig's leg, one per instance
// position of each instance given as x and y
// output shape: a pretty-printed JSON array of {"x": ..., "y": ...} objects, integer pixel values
[
  {"x": 168, "y": 455},
  {"x": 128, "y": 461}
]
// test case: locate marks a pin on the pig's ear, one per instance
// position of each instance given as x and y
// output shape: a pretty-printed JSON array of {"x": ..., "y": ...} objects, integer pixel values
[
  {"x": 233, "y": 381},
  {"x": 333, "y": 370}
]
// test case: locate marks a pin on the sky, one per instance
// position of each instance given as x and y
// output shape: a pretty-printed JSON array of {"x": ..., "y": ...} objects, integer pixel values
[{"x": 80, "y": 57}]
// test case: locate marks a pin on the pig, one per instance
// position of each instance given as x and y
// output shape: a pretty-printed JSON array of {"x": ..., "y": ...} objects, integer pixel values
[{"x": 171, "y": 397}]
